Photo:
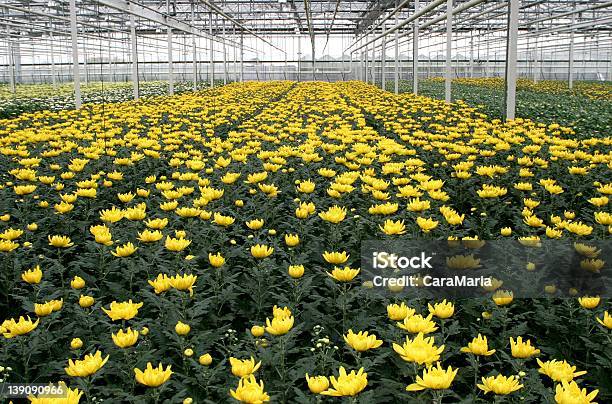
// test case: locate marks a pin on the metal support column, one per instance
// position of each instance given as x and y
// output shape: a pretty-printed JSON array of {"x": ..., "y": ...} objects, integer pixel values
[
  {"x": 512, "y": 58},
  {"x": 486, "y": 66},
  {"x": 396, "y": 71},
  {"x": 85, "y": 67},
  {"x": 241, "y": 57},
  {"x": 362, "y": 59},
  {"x": 449, "y": 44},
  {"x": 212, "y": 51},
  {"x": 299, "y": 55},
  {"x": 415, "y": 51},
  {"x": 471, "y": 67},
  {"x": 373, "y": 64},
  {"x": 570, "y": 80},
  {"x": 235, "y": 64},
  {"x": 194, "y": 53},
  {"x": 170, "y": 56},
  {"x": 170, "y": 65},
  {"x": 133, "y": 39},
  {"x": 365, "y": 63},
  {"x": 359, "y": 69},
  {"x": 314, "y": 60},
  {"x": 368, "y": 66},
  {"x": 535, "y": 57},
  {"x": 342, "y": 67},
  {"x": 75, "y": 55},
  {"x": 11, "y": 67},
  {"x": 53, "y": 73},
  {"x": 383, "y": 57},
  {"x": 342, "y": 64},
  {"x": 286, "y": 69},
  {"x": 17, "y": 60},
  {"x": 224, "y": 57}
]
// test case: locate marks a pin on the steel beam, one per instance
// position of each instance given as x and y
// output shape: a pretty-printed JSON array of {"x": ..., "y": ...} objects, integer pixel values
[
  {"x": 407, "y": 21},
  {"x": 154, "y": 16},
  {"x": 219, "y": 11},
  {"x": 460, "y": 8},
  {"x": 372, "y": 29},
  {"x": 371, "y": 15}
]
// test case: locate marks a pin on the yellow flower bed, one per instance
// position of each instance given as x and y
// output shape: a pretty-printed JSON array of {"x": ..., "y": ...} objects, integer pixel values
[{"x": 207, "y": 245}]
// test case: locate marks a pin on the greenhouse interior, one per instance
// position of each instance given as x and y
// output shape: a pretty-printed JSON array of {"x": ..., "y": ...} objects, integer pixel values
[{"x": 211, "y": 201}]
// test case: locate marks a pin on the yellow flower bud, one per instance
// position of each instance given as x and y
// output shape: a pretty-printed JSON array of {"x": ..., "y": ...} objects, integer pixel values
[
  {"x": 292, "y": 240},
  {"x": 296, "y": 271},
  {"x": 182, "y": 328},
  {"x": 257, "y": 330},
  {"x": 76, "y": 343},
  {"x": 205, "y": 359},
  {"x": 86, "y": 301},
  {"x": 77, "y": 283},
  {"x": 317, "y": 384}
]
